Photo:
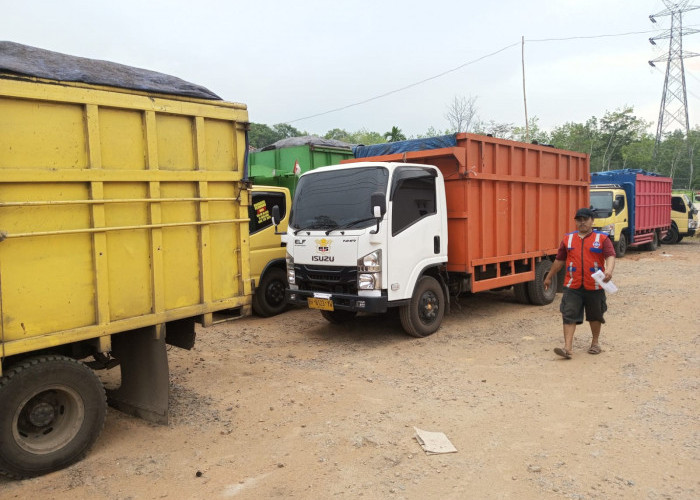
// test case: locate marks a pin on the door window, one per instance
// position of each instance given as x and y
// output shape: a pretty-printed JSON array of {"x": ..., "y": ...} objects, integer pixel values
[
  {"x": 413, "y": 197},
  {"x": 260, "y": 210}
]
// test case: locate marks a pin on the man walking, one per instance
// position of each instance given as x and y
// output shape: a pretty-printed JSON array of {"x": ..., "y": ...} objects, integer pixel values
[{"x": 583, "y": 252}]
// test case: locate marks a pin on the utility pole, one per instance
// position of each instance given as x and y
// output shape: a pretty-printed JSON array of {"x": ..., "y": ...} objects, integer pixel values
[{"x": 674, "y": 100}]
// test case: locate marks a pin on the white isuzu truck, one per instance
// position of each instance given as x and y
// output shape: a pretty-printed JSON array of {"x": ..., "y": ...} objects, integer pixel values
[{"x": 408, "y": 229}]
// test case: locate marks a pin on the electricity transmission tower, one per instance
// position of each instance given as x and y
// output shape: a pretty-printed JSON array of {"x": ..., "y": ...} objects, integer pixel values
[{"x": 674, "y": 100}]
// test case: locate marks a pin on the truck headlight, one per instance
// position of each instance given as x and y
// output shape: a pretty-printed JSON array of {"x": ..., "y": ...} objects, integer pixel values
[
  {"x": 369, "y": 271},
  {"x": 609, "y": 229},
  {"x": 366, "y": 281},
  {"x": 291, "y": 274}
]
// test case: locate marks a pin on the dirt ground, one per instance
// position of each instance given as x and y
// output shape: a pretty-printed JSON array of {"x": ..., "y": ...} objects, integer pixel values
[{"x": 293, "y": 407}]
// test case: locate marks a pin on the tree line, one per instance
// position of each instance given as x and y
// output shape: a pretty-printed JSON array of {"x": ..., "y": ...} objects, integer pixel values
[{"x": 618, "y": 139}]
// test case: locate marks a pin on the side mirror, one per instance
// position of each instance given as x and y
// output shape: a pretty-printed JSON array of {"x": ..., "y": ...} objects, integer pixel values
[
  {"x": 276, "y": 219},
  {"x": 616, "y": 204},
  {"x": 275, "y": 215},
  {"x": 378, "y": 201}
]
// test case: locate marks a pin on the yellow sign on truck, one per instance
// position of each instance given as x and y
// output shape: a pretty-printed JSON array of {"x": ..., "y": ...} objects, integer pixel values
[{"x": 123, "y": 220}]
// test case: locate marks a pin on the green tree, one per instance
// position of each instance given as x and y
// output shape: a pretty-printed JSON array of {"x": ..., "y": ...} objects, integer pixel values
[
  {"x": 394, "y": 135},
  {"x": 494, "y": 129},
  {"x": 639, "y": 154},
  {"x": 337, "y": 134},
  {"x": 261, "y": 135},
  {"x": 533, "y": 132},
  {"x": 581, "y": 137},
  {"x": 617, "y": 129},
  {"x": 433, "y": 132}
]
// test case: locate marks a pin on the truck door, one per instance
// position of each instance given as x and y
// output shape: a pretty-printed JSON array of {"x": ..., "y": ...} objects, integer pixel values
[{"x": 415, "y": 229}]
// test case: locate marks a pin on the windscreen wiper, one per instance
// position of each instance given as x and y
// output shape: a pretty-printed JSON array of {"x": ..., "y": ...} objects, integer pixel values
[
  {"x": 347, "y": 225},
  {"x": 312, "y": 226}
]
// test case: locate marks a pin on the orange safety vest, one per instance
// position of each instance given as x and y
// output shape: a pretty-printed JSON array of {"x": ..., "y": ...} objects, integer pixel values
[{"x": 583, "y": 258}]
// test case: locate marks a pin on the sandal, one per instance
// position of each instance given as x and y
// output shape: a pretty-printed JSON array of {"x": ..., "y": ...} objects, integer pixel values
[
  {"x": 563, "y": 353},
  {"x": 594, "y": 349}
]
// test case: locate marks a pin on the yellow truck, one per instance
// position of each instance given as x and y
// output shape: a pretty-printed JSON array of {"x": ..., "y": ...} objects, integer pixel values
[
  {"x": 684, "y": 219},
  {"x": 268, "y": 267},
  {"x": 124, "y": 219}
]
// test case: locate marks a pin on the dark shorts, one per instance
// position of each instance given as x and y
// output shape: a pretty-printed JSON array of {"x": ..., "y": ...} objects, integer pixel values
[{"x": 575, "y": 302}]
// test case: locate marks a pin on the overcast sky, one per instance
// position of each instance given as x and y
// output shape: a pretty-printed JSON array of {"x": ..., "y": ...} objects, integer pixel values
[{"x": 289, "y": 60}]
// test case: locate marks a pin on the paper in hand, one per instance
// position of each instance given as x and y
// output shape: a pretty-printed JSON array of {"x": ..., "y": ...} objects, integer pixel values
[{"x": 609, "y": 287}]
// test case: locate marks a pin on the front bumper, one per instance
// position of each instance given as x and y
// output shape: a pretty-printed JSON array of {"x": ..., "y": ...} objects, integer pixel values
[{"x": 341, "y": 301}]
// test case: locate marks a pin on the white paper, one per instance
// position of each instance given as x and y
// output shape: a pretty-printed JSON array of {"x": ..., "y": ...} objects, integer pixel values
[
  {"x": 434, "y": 443},
  {"x": 609, "y": 287}
]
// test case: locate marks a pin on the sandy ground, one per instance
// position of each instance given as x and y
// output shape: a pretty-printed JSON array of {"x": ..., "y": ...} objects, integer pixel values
[{"x": 293, "y": 407}]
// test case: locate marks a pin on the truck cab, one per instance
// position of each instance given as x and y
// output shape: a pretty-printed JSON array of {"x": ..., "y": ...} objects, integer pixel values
[
  {"x": 609, "y": 201},
  {"x": 267, "y": 248},
  {"x": 684, "y": 219},
  {"x": 367, "y": 237}
]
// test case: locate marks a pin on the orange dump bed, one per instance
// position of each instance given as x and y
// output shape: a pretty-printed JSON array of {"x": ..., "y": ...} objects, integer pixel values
[{"x": 509, "y": 203}]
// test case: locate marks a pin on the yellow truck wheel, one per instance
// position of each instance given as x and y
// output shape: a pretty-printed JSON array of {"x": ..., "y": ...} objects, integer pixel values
[
  {"x": 672, "y": 237},
  {"x": 269, "y": 296},
  {"x": 621, "y": 246},
  {"x": 53, "y": 411}
]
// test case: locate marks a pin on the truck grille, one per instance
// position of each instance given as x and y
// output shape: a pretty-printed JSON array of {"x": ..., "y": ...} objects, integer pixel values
[{"x": 328, "y": 279}]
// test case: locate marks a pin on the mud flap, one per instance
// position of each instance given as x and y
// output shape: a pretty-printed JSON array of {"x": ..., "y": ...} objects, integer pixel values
[{"x": 145, "y": 376}]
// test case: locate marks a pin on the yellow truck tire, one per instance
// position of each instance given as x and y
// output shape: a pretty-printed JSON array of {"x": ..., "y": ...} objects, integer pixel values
[
  {"x": 54, "y": 411},
  {"x": 269, "y": 296},
  {"x": 621, "y": 246},
  {"x": 673, "y": 236}
]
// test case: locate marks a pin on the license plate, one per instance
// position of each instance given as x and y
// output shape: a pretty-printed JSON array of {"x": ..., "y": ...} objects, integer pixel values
[{"x": 323, "y": 304}]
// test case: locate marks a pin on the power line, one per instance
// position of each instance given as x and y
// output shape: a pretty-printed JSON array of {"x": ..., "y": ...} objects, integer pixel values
[
  {"x": 407, "y": 86},
  {"x": 439, "y": 75}
]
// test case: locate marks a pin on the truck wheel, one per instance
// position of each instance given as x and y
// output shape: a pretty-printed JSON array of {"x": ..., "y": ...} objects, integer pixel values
[
  {"x": 672, "y": 237},
  {"x": 520, "y": 292},
  {"x": 535, "y": 288},
  {"x": 621, "y": 246},
  {"x": 423, "y": 315},
  {"x": 53, "y": 410},
  {"x": 338, "y": 317},
  {"x": 654, "y": 243},
  {"x": 269, "y": 296}
]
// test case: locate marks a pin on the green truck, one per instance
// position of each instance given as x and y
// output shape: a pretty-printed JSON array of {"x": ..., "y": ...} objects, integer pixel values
[{"x": 281, "y": 163}]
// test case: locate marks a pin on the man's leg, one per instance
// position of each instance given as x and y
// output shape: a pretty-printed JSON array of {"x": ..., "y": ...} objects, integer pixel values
[
  {"x": 595, "y": 332},
  {"x": 569, "y": 329}
]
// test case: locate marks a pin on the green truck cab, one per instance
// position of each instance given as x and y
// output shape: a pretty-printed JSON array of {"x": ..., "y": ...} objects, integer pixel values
[{"x": 684, "y": 219}]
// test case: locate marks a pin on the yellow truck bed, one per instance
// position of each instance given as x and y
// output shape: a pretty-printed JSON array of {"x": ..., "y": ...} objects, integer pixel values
[{"x": 117, "y": 211}]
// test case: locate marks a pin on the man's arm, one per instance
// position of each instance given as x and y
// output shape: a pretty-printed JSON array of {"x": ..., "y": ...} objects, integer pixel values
[
  {"x": 609, "y": 266},
  {"x": 556, "y": 267},
  {"x": 609, "y": 254}
]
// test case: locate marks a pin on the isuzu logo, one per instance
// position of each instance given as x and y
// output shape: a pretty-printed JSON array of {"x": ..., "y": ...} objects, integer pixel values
[
  {"x": 322, "y": 258},
  {"x": 323, "y": 245}
]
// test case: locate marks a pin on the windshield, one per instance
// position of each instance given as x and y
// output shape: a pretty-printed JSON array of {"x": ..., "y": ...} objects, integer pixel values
[
  {"x": 602, "y": 202},
  {"x": 337, "y": 198}
]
